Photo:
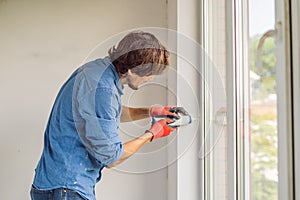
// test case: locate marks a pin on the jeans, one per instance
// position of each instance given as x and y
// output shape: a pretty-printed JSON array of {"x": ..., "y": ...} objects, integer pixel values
[{"x": 55, "y": 194}]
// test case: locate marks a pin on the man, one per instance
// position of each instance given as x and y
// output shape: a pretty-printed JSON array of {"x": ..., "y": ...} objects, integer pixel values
[{"x": 81, "y": 137}]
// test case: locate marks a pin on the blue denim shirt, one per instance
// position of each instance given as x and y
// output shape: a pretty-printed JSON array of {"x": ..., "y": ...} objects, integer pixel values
[{"x": 81, "y": 136}]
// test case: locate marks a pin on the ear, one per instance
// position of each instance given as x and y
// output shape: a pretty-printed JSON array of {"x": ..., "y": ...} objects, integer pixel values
[{"x": 124, "y": 75}]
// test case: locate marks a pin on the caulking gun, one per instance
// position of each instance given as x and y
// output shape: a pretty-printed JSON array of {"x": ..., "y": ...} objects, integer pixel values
[{"x": 182, "y": 119}]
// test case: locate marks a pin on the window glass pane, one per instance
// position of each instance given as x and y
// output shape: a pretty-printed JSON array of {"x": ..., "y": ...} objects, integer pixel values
[{"x": 263, "y": 100}]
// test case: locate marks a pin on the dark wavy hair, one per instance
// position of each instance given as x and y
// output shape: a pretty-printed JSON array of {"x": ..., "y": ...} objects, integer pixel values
[{"x": 142, "y": 53}]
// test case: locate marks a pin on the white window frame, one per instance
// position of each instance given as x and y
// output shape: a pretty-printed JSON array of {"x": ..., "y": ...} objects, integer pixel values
[
  {"x": 237, "y": 107},
  {"x": 238, "y": 100},
  {"x": 238, "y": 160}
]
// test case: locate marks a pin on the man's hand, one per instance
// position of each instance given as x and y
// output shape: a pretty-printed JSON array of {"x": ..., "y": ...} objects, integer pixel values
[
  {"x": 161, "y": 129},
  {"x": 156, "y": 111}
]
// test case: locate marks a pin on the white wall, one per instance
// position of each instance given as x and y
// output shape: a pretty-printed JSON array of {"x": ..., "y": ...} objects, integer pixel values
[
  {"x": 184, "y": 174},
  {"x": 41, "y": 43},
  {"x": 188, "y": 69}
]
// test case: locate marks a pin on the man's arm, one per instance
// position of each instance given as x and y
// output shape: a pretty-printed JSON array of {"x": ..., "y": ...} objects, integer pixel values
[
  {"x": 132, "y": 147},
  {"x": 158, "y": 129},
  {"x": 131, "y": 114}
]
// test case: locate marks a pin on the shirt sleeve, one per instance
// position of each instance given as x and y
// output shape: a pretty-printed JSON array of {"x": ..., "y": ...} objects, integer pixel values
[{"x": 98, "y": 125}]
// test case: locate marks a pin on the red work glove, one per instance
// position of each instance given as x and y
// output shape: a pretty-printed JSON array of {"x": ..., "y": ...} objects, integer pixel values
[
  {"x": 161, "y": 129},
  {"x": 159, "y": 110}
]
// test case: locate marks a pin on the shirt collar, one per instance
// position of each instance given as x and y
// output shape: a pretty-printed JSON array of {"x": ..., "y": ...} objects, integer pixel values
[{"x": 117, "y": 80}]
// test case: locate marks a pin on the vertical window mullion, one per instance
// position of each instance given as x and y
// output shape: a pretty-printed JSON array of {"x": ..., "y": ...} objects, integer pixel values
[{"x": 238, "y": 95}]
